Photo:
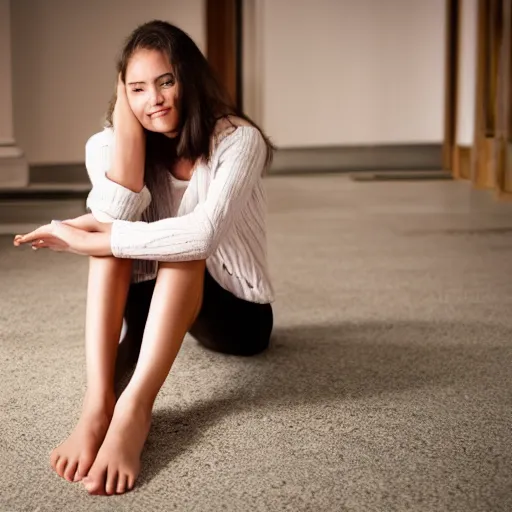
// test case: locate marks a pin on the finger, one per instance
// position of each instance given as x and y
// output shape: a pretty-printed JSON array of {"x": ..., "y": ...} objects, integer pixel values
[
  {"x": 121, "y": 87},
  {"x": 39, "y": 244},
  {"x": 39, "y": 233},
  {"x": 50, "y": 239},
  {"x": 55, "y": 244},
  {"x": 81, "y": 242}
]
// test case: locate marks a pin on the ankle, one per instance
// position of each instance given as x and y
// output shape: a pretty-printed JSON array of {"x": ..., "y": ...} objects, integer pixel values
[
  {"x": 99, "y": 400},
  {"x": 136, "y": 401}
]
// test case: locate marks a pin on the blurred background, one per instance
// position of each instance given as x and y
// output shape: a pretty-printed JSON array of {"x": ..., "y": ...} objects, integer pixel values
[{"x": 339, "y": 85}]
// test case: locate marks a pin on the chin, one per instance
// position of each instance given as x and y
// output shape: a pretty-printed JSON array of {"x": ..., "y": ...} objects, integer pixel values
[
  {"x": 162, "y": 127},
  {"x": 164, "y": 130}
]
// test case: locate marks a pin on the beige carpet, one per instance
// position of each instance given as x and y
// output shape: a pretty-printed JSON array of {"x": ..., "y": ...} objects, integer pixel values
[{"x": 388, "y": 386}]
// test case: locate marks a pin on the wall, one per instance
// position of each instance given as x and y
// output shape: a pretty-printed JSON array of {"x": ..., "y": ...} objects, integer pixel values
[
  {"x": 63, "y": 66},
  {"x": 466, "y": 96},
  {"x": 324, "y": 73},
  {"x": 6, "y": 135},
  {"x": 345, "y": 72}
]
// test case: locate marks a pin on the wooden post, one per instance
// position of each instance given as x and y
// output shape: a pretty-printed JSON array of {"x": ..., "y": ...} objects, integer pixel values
[
  {"x": 223, "y": 40},
  {"x": 484, "y": 157},
  {"x": 503, "y": 105}
]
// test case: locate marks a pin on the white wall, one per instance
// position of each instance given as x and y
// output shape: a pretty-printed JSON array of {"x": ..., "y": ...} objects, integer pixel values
[
  {"x": 466, "y": 96},
  {"x": 6, "y": 131},
  {"x": 64, "y": 55},
  {"x": 342, "y": 72}
]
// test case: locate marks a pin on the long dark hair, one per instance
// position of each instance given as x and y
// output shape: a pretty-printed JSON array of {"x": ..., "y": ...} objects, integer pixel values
[{"x": 202, "y": 99}]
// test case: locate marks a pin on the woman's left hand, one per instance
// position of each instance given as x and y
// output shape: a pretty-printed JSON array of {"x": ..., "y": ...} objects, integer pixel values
[{"x": 64, "y": 237}]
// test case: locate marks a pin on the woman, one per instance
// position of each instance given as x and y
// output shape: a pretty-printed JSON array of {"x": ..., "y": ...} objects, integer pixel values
[{"x": 176, "y": 240}]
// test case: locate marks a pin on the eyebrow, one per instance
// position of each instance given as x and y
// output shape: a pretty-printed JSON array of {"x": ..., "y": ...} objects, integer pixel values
[{"x": 157, "y": 78}]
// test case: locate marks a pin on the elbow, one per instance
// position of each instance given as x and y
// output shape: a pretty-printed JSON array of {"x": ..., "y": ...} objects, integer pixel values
[
  {"x": 209, "y": 244},
  {"x": 207, "y": 248},
  {"x": 100, "y": 215},
  {"x": 117, "y": 203}
]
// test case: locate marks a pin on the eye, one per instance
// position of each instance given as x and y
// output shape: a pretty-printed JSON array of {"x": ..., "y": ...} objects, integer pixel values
[
  {"x": 136, "y": 89},
  {"x": 168, "y": 83}
]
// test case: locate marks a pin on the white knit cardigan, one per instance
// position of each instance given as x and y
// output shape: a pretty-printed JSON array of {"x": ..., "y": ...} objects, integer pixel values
[{"x": 222, "y": 216}]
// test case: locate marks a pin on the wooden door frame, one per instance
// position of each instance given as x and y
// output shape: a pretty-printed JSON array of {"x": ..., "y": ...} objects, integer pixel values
[{"x": 224, "y": 49}]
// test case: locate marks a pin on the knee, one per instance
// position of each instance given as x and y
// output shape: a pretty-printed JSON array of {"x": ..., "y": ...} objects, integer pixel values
[
  {"x": 111, "y": 265},
  {"x": 193, "y": 265},
  {"x": 182, "y": 264},
  {"x": 182, "y": 276}
]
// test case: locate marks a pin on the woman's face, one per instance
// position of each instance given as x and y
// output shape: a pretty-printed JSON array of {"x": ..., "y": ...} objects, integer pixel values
[{"x": 152, "y": 91}]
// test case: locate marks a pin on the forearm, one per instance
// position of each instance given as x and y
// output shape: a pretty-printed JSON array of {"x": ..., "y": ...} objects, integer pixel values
[
  {"x": 115, "y": 163},
  {"x": 186, "y": 238},
  {"x": 128, "y": 165}
]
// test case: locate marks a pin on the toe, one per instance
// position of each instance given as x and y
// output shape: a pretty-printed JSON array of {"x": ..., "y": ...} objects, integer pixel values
[
  {"x": 111, "y": 482},
  {"x": 95, "y": 483},
  {"x": 131, "y": 482},
  {"x": 61, "y": 465},
  {"x": 92, "y": 486},
  {"x": 84, "y": 465},
  {"x": 121, "y": 483},
  {"x": 54, "y": 458},
  {"x": 69, "y": 473}
]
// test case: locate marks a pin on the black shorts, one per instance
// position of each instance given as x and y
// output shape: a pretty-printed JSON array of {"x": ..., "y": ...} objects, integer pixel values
[{"x": 224, "y": 324}]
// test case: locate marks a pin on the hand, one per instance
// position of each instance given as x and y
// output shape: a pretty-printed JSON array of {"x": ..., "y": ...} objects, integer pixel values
[
  {"x": 123, "y": 117},
  {"x": 128, "y": 165},
  {"x": 83, "y": 235}
]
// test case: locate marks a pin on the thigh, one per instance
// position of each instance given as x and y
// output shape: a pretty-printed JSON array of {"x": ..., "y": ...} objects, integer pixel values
[{"x": 229, "y": 324}]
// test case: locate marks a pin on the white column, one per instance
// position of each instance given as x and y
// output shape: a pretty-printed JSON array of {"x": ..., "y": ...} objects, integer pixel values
[
  {"x": 467, "y": 73},
  {"x": 13, "y": 164}
]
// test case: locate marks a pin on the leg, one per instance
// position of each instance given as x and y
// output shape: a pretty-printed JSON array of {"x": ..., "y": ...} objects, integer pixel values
[
  {"x": 175, "y": 304},
  {"x": 108, "y": 283},
  {"x": 135, "y": 315},
  {"x": 231, "y": 325}
]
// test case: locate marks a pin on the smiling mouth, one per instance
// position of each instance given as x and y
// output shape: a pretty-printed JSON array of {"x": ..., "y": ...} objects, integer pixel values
[{"x": 160, "y": 113}]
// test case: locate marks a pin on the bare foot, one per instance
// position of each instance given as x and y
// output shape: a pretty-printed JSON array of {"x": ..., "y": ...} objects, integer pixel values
[
  {"x": 73, "y": 458},
  {"x": 117, "y": 464}
]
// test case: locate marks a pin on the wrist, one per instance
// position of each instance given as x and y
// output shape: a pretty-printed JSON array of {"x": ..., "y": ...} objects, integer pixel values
[{"x": 129, "y": 134}]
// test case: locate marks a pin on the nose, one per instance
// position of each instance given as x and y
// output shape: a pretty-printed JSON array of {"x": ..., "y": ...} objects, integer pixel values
[{"x": 156, "y": 97}]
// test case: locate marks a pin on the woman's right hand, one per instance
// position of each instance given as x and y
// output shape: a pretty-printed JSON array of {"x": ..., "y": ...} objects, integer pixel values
[
  {"x": 130, "y": 144},
  {"x": 123, "y": 118}
]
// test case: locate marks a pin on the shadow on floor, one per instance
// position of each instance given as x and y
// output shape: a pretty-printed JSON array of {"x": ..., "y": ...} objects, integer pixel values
[{"x": 335, "y": 363}]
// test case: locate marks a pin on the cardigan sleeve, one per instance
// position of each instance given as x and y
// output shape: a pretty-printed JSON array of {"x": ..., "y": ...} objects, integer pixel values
[
  {"x": 107, "y": 199},
  {"x": 240, "y": 159}
]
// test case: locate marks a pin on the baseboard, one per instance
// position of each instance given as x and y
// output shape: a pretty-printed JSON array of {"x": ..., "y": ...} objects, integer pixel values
[
  {"x": 13, "y": 167},
  {"x": 462, "y": 162},
  {"x": 415, "y": 175},
  {"x": 399, "y": 157},
  {"x": 39, "y": 211},
  {"x": 406, "y": 157},
  {"x": 59, "y": 173}
]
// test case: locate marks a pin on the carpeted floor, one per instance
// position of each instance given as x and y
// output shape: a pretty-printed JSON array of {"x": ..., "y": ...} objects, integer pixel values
[{"x": 388, "y": 386}]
